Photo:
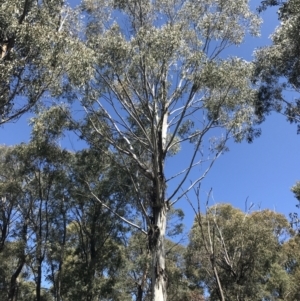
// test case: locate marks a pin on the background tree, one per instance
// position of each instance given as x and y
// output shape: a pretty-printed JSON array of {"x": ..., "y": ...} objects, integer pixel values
[
  {"x": 27, "y": 189},
  {"x": 290, "y": 260},
  {"x": 237, "y": 256},
  {"x": 277, "y": 65},
  {"x": 94, "y": 251},
  {"x": 52, "y": 229},
  {"x": 14, "y": 224},
  {"x": 294, "y": 215},
  {"x": 277, "y": 71}
]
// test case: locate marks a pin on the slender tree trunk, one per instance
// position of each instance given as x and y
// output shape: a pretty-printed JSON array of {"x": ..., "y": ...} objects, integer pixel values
[
  {"x": 140, "y": 293},
  {"x": 14, "y": 282},
  {"x": 5, "y": 223},
  {"x": 159, "y": 210},
  {"x": 39, "y": 280},
  {"x": 157, "y": 247},
  {"x": 13, "y": 290},
  {"x": 141, "y": 286},
  {"x": 61, "y": 264},
  {"x": 39, "y": 255}
]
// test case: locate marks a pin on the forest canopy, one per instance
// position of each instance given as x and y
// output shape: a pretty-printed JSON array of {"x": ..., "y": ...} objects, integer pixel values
[{"x": 138, "y": 83}]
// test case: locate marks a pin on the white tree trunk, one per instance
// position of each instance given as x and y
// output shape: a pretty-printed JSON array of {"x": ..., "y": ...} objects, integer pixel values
[{"x": 159, "y": 276}]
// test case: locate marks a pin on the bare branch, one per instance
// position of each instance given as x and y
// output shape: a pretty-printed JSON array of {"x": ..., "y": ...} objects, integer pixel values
[
  {"x": 130, "y": 152},
  {"x": 183, "y": 171},
  {"x": 115, "y": 213},
  {"x": 190, "y": 165}
]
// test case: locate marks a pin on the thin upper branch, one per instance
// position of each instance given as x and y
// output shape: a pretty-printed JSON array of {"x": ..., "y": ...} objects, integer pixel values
[{"x": 115, "y": 213}]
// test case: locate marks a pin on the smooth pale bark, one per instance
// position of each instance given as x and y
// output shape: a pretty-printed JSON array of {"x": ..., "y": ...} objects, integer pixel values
[{"x": 159, "y": 276}]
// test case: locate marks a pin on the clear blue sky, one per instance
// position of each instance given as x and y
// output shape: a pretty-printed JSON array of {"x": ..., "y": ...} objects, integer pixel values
[{"x": 262, "y": 171}]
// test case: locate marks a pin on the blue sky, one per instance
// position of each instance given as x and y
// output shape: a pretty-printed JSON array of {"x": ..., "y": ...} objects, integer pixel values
[{"x": 262, "y": 171}]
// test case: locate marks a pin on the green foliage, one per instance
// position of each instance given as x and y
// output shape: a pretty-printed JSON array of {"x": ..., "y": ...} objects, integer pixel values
[
  {"x": 245, "y": 249},
  {"x": 296, "y": 190},
  {"x": 290, "y": 260},
  {"x": 277, "y": 66},
  {"x": 150, "y": 78},
  {"x": 37, "y": 47},
  {"x": 52, "y": 228}
]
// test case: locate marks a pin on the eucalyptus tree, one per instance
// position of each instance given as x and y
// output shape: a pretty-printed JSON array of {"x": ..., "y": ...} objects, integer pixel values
[
  {"x": 52, "y": 229},
  {"x": 294, "y": 216},
  {"x": 162, "y": 80},
  {"x": 278, "y": 70},
  {"x": 134, "y": 279},
  {"x": 239, "y": 256},
  {"x": 33, "y": 193},
  {"x": 290, "y": 259},
  {"x": 9, "y": 190},
  {"x": 27, "y": 184},
  {"x": 84, "y": 246},
  {"x": 45, "y": 192},
  {"x": 94, "y": 248},
  {"x": 93, "y": 259},
  {"x": 12, "y": 225}
]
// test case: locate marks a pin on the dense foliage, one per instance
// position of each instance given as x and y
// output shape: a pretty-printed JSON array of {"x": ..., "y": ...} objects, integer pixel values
[
  {"x": 242, "y": 256},
  {"x": 33, "y": 40},
  {"x": 137, "y": 81},
  {"x": 277, "y": 65}
]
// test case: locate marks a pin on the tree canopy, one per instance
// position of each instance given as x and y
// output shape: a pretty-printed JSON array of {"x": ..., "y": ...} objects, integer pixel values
[
  {"x": 138, "y": 82},
  {"x": 159, "y": 83},
  {"x": 277, "y": 65},
  {"x": 239, "y": 256}
]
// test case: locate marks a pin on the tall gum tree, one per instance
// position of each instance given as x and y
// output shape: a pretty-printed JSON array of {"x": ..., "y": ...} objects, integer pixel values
[{"x": 160, "y": 82}]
